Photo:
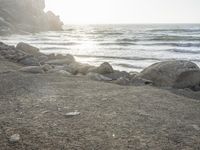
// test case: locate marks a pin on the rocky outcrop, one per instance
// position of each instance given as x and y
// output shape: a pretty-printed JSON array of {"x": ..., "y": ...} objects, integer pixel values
[
  {"x": 178, "y": 74},
  {"x": 22, "y": 16},
  {"x": 172, "y": 74}
]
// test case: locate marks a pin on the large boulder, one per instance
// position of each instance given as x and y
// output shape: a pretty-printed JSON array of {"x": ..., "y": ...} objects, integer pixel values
[{"x": 167, "y": 73}]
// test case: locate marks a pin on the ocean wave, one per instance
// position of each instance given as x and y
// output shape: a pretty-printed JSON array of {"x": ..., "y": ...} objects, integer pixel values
[
  {"x": 173, "y": 38},
  {"x": 126, "y": 40},
  {"x": 173, "y": 44},
  {"x": 174, "y": 30},
  {"x": 128, "y": 66},
  {"x": 184, "y": 51},
  {"x": 56, "y": 43},
  {"x": 117, "y": 57},
  {"x": 117, "y": 43}
]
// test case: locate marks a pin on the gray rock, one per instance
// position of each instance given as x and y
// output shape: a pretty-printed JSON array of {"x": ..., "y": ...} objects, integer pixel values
[
  {"x": 166, "y": 73},
  {"x": 76, "y": 68},
  {"x": 32, "y": 69},
  {"x": 188, "y": 79},
  {"x": 31, "y": 50},
  {"x": 46, "y": 67},
  {"x": 29, "y": 61},
  {"x": 42, "y": 59},
  {"x": 104, "y": 68},
  {"x": 14, "y": 138},
  {"x": 98, "y": 77}
]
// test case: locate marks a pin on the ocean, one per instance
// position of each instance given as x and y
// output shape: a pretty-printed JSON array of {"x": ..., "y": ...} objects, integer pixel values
[{"x": 126, "y": 47}]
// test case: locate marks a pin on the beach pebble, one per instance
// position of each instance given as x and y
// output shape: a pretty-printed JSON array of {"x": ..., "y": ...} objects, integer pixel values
[
  {"x": 71, "y": 114},
  {"x": 14, "y": 138}
]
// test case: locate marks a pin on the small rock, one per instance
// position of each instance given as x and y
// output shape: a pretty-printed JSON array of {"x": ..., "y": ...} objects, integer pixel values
[
  {"x": 104, "y": 68},
  {"x": 76, "y": 68},
  {"x": 71, "y": 114},
  {"x": 14, "y": 138},
  {"x": 47, "y": 67},
  {"x": 27, "y": 48}
]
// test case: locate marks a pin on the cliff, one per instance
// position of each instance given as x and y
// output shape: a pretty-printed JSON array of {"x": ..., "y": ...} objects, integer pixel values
[{"x": 22, "y": 16}]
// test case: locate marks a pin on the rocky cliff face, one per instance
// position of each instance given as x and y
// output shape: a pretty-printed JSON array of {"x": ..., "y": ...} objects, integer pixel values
[{"x": 21, "y": 16}]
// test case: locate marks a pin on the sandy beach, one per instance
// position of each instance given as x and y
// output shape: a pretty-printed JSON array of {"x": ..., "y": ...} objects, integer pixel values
[{"x": 36, "y": 107}]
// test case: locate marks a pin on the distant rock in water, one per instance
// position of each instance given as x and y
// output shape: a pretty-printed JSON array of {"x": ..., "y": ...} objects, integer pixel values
[{"x": 25, "y": 16}]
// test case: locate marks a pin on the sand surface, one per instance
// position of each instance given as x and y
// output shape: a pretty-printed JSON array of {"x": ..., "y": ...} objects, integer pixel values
[{"x": 111, "y": 116}]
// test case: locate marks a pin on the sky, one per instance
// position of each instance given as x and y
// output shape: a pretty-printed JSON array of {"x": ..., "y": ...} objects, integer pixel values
[{"x": 125, "y": 11}]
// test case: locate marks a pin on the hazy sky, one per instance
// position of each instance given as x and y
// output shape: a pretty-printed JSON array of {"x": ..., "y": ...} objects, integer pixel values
[{"x": 126, "y": 11}]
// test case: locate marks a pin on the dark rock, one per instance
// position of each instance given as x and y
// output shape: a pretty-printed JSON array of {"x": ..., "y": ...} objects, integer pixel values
[
  {"x": 188, "y": 79},
  {"x": 140, "y": 82},
  {"x": 166, "y": 73},
  {"x": 29, "y": 61}
]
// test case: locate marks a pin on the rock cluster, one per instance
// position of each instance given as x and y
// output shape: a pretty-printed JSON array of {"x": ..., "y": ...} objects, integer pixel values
[
  {"x": 26, "y": 16},
  {"x": 175, "y": 74}
]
